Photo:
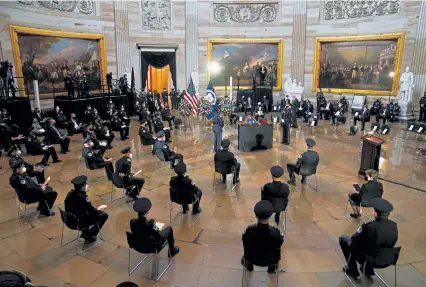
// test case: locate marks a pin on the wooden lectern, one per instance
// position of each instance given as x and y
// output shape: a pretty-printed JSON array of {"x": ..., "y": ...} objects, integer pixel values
[{"x": 370, "y": 156}]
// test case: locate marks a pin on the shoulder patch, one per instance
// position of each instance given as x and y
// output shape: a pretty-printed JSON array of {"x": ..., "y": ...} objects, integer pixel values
[
  {"x": 87, "y": 199},
  {"x": 90, "y": 154},
  {"x": 300, "y": 156},
  {"x": 22, "y": 181},
  {"x": 164, "y": 146},
  {"x": 359, "y": 230},
  {"x": 128, "y": 159}
]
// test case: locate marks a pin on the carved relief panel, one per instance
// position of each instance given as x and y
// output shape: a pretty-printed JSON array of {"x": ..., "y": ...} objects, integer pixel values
[
  {"x": 245, "y": 12},
  {"x": 348, "y": 9},
  {"x": 76, "y": 6},
  {"x": 156, "y": 15}
]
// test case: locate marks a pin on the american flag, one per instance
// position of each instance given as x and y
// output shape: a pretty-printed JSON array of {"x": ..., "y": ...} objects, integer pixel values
[{"x": 191, "y": 97}]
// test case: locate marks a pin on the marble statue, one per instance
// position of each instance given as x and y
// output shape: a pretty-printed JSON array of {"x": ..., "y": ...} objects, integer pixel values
[
  {"x": 195, "y": 79},
  {"x": 293, "y": 89},
  {"x": 287, "y": 85},
  {"x": 406, "y": 86}
]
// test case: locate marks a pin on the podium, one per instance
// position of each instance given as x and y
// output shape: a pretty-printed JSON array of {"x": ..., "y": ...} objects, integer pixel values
[{"x": 370, "y": 155}]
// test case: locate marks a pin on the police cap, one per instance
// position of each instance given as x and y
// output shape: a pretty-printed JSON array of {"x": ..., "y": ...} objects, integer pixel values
[
  {"x": 79, "y": 181},
  {"x": 127, "y": 284},
  {"x": 225, "y": 143},
  {"x": 263, "y": 209},
  {"x": 277, "y": 171},
  {"x": 310, "y": 142},
  {"x": 180, "y": 168},
  {"x": 142, "y": 205},
  {"x": 125, "y": 150},
  {"x": 12, "y": 149},
  {"x": 381, "y": 205},
  {"x": 16, "y": 164},
  {"x": 159, "y": 134}
]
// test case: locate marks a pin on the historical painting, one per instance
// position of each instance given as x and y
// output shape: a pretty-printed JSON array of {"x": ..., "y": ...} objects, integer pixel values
[
  {"x": 247, "y": 61},
  {"x": 50, "y": 56},
  {"x": 360, "y": 64}
]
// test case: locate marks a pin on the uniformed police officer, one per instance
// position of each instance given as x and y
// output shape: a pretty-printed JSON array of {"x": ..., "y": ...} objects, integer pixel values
[
  {"x": 377, "y": 234},
  {"x": 286, "y": 116},
  {"x": 31, "y": 170},
  {"x": 184, "y": 183},
  {"x": 422, "y": 103},
  {"x": 124, "y": 168},
  {"x": 142, "y": 228},
  {"x": 217, "y": 129},
  {"x": 78, "y": 203},
  {"x": 162, "y": 151},
  {"x": 262, "y": 239},
  {"x": 226, "y": 157},
  {"x": 144, "y": 134},
  {"x": 276, "y": 189},
  {"x": 294, "y": 108},
  {"x": 89, "y": 115},
  {"x": 95, "y": 160},
  {"x": 31, "y": 192},
  {"x": 306, "y": 163},
  {"x": 35, "y": 147}
]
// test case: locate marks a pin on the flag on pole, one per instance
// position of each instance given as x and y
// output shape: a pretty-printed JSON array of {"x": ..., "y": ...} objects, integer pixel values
[
  {"x": 191, "y": 97},
  {"x": 211, "y": 93}
]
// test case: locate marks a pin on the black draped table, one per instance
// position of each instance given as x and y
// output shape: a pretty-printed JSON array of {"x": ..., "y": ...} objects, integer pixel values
[
  {"x": 257, "y": 95},
  {"x": 78, "y": 106},
  {"x": 255, "y": 137}
]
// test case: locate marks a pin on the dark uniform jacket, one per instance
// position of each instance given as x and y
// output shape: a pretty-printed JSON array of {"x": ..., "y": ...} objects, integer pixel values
[
  {"x": 33, "y": 145},
  {"x": 15, "y": 158},
  {"x": 184, "y": 183},
  {"x": 25, "y": 187},
  {"x": 307, "y": 162},
  {"x": 262, "y": 243},
  {"x": 370, "y": 190},
  {"x": 142, "y": 229},
  {"x": 92, "y": 157},
  {"x": 124, "y": 165},
  {"x": 78, "y": 203},
  {"x": 224, "y": 156},
  {"x": 146, "y": 137},
  {"x": 275, "y": 189},
  {"x": 422, "y": 103}
]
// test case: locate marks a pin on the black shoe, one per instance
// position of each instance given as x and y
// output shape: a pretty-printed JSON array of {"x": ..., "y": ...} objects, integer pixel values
[
  {"x": 185, "y": 210},
  {"x": 174, "y": 251},
  {"x": 45, "y": 164},
  {"x": 354, "y": 215},
  {"x": 90, "y": 239},
  {"x": 196, "y": 211},
  {"x": 56, "y": 161},
  {"x": 352, "y": 273},
  {"x": 134, "y": 196},
  {"x": 48, "y": 214},
  {"x": 272, "y": 269},
  {"x": 369, "y": 272},
  {"x": 303, "y": 181}
]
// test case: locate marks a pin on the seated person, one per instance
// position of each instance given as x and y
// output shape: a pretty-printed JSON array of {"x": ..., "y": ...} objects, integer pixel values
[
  {"x": 33, "y": 171},
  {"x": 14, "y": 136},
  {"x": 37, "y": 114},
  {"x": 181, "y": 183},
  {"x": 374, "y": 235},
  {"x": 74, "y": 126},
  {"x": 142, "y": 228},
  {"x": 103, "y": 133},
  {"x": 371, "y": 189},
  {"x": 309, "y": 110},
  {"x": 306, "y": 164},
  {"x": 261, "y": 241},
  {"x": 363, "y": 116},
  {"x": 147, "y": 116},
  {"x": 276, "y": 189},
  {"x": 166, "y": 115},
  {"x": 60, "y": 118},
  {"x": 78, "y": 204},
  {"x": 35, "y": 147},
  {"x": 55, "y": 137},
  {"x": 162, "y": 151},
  {"x": 31, "y": 192},
  {"x": 124, "y": 168},
  {"x": 120, "y": 126},
  {"x": 123, "y": 116},
  {"x": 95, "y": 160},
  {"x": 38, "y": 129},
  {"x": 101, "y": 146},
  {"x": 159, "y": 126},
  {"x": 145, "y": 135},
  {"x": 227, "y": 158},
  {"x": 233, "y": 116},
  {"x": 89, "y": 115}
]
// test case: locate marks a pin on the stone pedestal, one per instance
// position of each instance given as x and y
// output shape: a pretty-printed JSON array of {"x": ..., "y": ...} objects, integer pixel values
[{"x": 406, "y": 113}]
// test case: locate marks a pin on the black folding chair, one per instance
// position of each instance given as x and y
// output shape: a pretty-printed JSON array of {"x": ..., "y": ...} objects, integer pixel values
[
  {"x": 146, "y": 246},
  {"x": 280, "y": 205},
  {"x": 361, "y": 205},
  {"x": 21, "y": 200},
  {"x": 223, "y": 168},
  {"x": 118, "y": 182},
  {"x": 72, "y": 222},
  {"x": 180, "y": 197},
  {"x": 262, "y": 260}
]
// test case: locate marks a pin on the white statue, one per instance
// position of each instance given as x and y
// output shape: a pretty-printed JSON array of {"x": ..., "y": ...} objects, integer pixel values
[
  {"x": 287, "y": 84},
  {"x": 300, "y": 88},
  {"x": 195, "y": 79},
  {"x": 128, "y": 76},
  {"x": 406, "y": 86},
  {"x": 294, "y": 85}
]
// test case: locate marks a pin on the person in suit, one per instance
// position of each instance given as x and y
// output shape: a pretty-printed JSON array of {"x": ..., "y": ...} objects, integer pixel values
[
  {"x": 94, "y": 158},
  {"x": 29, "y": 191},
  {"x": 163, "y": 152},
  {"x": 306, "y": 163},
  {"x": 363, "y": 116},
  {"x": 226, "y": 157},
  {"x": 79, "y": 204},
  {"x": 166, "y": 115},
  {"x": 74, "y": 126},
  {"x": 37, "y": 128},
  {"x": 275, "y": 189},
  {"x": 60, "y": 117},
  {"x": 422, "y": 113},
  {"x": 286, "y": 119},
  {"x": 165, "y": 97},
  {"x": 369, "y": 237},
  {"x": 124, "y": 168},
  {"x": 35, "y": 147},
  {"x": 89, "y": 115},
  {"x": 55, "y": 137},
  {"x": 37, "y": 114},
  {"x": 217, "y": 129},
  {"x": 309, "y": 110},
  {"x": 32, "y": 170},
  {"x": 109, "y": 83},
  {"x": 371, "y": 189},
  {"x": 184, "y": 183},
  {"x": 294, "y": 108},
  {"x": 142, "y": 227},
  {"x": 261, "y": 239}
]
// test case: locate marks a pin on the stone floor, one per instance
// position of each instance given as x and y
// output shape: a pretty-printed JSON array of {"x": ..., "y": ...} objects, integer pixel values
[{"x": 211, "y": 245}]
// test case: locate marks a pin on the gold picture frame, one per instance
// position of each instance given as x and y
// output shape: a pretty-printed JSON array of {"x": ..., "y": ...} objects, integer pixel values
[
  {"x": 399, "y": 37},
  {"x": 280, "y": 47},
  {"x": 15, "y": 30}
]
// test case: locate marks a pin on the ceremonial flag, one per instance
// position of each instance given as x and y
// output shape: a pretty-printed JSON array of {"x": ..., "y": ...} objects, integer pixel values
[
  {"x": 191, "y": 97},
  {"x": 213, "y": 100}
]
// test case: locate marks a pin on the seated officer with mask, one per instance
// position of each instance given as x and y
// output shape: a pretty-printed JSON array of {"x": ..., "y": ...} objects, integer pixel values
[
  {"x": 163, "y": 152},
  {"x": 276, "y": 189},
  {"x": 94, "y": 158},
  {"x": 124, "y": 168},
  {"x": 306, "y": 163},
  {"x": 31, "y": 170},
  {"x": 31, "y": 192},
  {"x": 377, "y": 234},
  {"x": 226, "y": 157},
  {"x": 78, "y": 204},
  {"x": 260, "y": 239},
  {"x": 142, "y": 227},
  {"x": 184, "y": 183},
  {"x": 371, "y": 189}
]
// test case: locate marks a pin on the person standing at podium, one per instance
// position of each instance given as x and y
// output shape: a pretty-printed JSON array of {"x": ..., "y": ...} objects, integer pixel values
[{"x": 363, "y": 116}]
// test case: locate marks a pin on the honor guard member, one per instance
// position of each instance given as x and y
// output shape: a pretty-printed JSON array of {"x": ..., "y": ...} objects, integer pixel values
[
  {"x": 422, "y": 114},
  {"x": 145, "y": 136},
  {"x": 31, "y": 170},
  {"x": 162, "y": 151},
  {"x": 370, "y": 237},
  {"x": 306, "y": 163},
  {"x": 124, "y": 167},
  {"x": 94, "y": 158},
  {"x": 217, "y": 129},
  {"x": 276, "y": 189},
  {"x": 30, "y": 192},
  {"x": 262, "y": 239},
  {"x": 184, "y": 183},
  {"x": 78, "y": 203},
  {"x": 286, "y": 116},
  {"x": 294, "y": 108},
  {"x": 143, "y": 228}
]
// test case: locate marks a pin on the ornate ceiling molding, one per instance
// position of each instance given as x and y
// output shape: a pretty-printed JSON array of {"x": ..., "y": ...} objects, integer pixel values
[
  {"x": 156, "y": 15},
  {"x": 350, "y": 9},
  {"x": 87, "y": 7},
  {"x": 245, "y": 12}
]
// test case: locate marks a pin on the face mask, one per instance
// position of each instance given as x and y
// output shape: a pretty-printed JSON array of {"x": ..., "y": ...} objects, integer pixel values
[
  {"x": 18, "y": 153},
  {"x": 130, "y": 155},
  {"x": 24, "y": 169}
]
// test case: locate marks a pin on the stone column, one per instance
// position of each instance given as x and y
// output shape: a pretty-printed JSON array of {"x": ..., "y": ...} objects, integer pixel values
[
  {"x": 122, "y": 42},
  {"x": 298, "y": 41},
  {"x": 191, "y": 37},
  {"x": 419, "y": 58}
]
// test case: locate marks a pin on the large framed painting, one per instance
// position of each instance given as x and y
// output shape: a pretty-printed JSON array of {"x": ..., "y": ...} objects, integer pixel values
[
  {"x": 358, "y": 64},
  {"x": 49, "y": 56},
  {"x": 242, "y": 59}
]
